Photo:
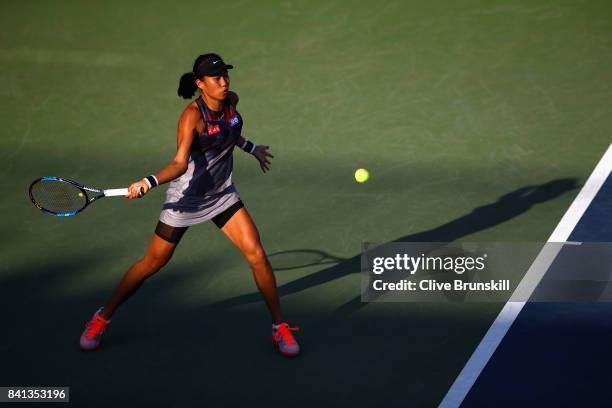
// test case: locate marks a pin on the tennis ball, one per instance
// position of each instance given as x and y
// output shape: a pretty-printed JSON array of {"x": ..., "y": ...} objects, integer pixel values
[
  {"x": 361, "y": 175},
  {"x": 80, "y": 194}
]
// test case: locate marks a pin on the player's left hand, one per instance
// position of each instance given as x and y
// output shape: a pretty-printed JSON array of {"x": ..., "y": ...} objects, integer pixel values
[{"x": 262, "y": 154}]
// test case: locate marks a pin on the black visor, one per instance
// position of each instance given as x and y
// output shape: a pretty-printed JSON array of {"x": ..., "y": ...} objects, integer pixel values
[{"x": 212, "y": 67}]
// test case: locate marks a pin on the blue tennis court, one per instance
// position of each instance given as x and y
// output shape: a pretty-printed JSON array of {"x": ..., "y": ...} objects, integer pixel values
[{"x": 549, "y": 353}]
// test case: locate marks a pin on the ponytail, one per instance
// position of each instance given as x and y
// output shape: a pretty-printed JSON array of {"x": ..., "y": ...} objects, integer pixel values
[{"x": 187, "y": 85}]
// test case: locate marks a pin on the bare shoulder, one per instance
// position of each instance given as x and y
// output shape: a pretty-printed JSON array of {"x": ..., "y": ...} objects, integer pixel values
[
  {"x": 189, "y": 118},
  {"x": 233, "y": 97},
  {"x": 191, "y": 114}
]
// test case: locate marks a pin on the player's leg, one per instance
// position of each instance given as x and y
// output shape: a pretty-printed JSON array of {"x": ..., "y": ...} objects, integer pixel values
[
  {"x": 241, "y": 230},
  {"x": 158, "y": 253}
]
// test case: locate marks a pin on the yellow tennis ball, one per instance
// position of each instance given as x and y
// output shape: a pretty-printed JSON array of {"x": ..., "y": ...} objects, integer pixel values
[
  {"x": 80, "y": 194},
  {"x": 361, "y": 175}
]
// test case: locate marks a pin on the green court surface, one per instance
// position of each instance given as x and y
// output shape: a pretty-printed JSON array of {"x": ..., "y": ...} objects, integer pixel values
[{"x": 477, "y": 120}]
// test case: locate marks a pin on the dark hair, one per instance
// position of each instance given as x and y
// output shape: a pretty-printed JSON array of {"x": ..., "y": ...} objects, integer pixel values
[{"x": 187, "y": 84}]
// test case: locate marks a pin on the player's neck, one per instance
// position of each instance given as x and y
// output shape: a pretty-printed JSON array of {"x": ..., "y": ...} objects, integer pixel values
[{"x": 213, "y": 104}]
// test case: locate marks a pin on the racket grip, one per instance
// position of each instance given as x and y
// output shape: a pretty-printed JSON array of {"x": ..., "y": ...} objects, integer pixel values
[{"x": 116, "y": 192}]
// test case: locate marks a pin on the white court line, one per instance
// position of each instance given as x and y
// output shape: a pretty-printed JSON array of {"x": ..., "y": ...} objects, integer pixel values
[{"x": 467, "y": 377}]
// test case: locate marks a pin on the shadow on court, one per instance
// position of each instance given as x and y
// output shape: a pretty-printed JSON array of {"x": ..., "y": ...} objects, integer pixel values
[
  {"x": 158, "y": 352},
  {"x": 504, "y": 209}
]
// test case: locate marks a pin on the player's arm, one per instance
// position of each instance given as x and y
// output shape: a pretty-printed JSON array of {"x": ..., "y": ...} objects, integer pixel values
[
  {"x": 260, "y": 152},
  {"x": 233, "y": 97},
  {"x": 178, "y": 166}
]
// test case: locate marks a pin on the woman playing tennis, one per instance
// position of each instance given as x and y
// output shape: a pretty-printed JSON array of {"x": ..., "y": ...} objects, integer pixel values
[{"x": 201, "y": 189}]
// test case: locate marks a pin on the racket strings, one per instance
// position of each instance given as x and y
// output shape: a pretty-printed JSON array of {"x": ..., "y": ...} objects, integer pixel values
[{"x": 58, "y": 196}]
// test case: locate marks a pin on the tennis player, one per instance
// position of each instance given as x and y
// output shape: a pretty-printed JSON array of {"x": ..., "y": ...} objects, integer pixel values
[{"x": 201, "y": 189}]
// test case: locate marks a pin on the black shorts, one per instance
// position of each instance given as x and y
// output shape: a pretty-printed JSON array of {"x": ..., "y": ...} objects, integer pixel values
[{"x": 174, "y": 234}]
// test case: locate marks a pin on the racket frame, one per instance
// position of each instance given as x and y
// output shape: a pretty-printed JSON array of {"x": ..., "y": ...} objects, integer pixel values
[{"x": 87, "y": 191}]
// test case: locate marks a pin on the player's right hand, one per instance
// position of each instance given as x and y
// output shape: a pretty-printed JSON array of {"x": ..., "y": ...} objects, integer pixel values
[{"x": 138, "y": 189}]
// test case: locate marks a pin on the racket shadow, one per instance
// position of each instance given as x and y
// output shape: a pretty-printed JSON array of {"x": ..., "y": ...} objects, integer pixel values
[
  {"x": 301, "y": 258},
  {"x": 507, "y": 207}
]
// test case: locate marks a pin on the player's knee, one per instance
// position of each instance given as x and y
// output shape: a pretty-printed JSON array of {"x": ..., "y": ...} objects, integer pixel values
[{"x": 255, "y": 254}]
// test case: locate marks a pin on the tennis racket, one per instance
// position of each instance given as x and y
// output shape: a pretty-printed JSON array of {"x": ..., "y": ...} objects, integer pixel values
[{"x": 64, "y": 198}]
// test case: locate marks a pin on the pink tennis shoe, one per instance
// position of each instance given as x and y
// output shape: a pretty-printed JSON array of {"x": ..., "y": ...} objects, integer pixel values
[
  {"x": 94, "y": 329},
  {"x": 284, "y": 340}
]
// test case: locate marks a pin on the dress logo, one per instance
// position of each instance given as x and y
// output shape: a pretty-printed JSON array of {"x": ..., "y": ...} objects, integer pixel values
[
  {"x": 235, "y": 120},
  {"x": 213, "y": 129}
]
